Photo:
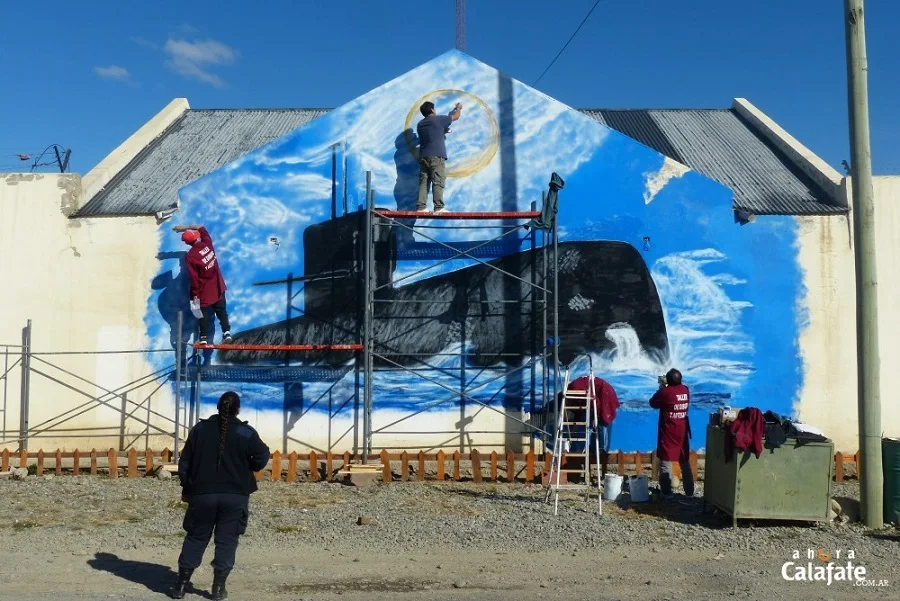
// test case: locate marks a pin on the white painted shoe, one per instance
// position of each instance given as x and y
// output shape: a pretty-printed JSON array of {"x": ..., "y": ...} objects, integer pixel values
[{"x": 442, "y": 210}]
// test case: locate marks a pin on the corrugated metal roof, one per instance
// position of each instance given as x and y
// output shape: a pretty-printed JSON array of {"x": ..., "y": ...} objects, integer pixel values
[
  {"x": 714, "y": 142},
  {"x": 720, "y": 145},
  {"x": 198, "y": 143}
]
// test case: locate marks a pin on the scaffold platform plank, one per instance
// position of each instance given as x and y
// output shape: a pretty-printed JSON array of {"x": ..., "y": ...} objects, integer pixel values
[
  {"x": 460, "y": 215},
  {"x": 279, "y": 347},
  {"x": 268, "y": 374}
]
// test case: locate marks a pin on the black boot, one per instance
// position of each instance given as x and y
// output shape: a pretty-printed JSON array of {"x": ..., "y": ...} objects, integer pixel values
[
  {"x": 181, "y": 585},
  {"x": 218, "y": 588}
]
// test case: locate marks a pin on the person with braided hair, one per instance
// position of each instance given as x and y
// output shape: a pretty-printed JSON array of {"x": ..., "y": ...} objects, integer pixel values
[{"x": 216, "y": 471}]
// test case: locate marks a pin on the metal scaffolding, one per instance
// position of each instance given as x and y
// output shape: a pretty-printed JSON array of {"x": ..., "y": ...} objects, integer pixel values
[{"x": 542, "y": 301}]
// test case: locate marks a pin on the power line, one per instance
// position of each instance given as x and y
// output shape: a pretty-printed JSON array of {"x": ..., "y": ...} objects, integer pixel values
[{"x": 588, "y": 16}]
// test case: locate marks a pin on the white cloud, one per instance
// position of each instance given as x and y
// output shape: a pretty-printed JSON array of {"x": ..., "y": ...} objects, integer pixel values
[
  {"x": 113, "y": 72},
  {"x": 193, "y": 59},
  {"x": 144, "y": 42},
  {"x": 656, "y": 181}
]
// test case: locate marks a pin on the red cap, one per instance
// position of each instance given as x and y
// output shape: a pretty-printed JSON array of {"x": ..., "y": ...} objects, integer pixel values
[{"x": 190, "y": 236}]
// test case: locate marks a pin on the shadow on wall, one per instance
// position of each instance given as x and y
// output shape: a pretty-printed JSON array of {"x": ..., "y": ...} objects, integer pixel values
[{"x": 174, "y": 297}]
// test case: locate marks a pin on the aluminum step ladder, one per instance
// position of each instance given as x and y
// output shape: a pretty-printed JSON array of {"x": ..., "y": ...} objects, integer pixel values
[{"x": 576, "y": 418}]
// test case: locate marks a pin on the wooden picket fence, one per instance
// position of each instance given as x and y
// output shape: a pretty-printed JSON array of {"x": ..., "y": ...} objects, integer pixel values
[{"x": 527, "y": 467}]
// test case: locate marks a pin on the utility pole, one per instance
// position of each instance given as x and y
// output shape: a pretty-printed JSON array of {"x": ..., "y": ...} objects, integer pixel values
[
  {"x": 863, "y": 207},
  {"x": 461, "y": 25}
]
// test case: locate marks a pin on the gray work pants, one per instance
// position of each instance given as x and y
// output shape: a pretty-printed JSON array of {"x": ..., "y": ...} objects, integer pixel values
[{"x": 687, "y": 476}]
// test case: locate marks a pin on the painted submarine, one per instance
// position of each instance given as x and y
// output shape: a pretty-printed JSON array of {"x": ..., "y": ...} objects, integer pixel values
[{"x": 602, "y": 285}]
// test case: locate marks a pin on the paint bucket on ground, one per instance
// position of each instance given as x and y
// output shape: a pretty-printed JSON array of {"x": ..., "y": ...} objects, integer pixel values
[
  {"x": 612, "y": 487},
  {"x": 639, "y": 486}
]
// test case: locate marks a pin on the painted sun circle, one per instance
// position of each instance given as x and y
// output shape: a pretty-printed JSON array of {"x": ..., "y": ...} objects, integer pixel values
[{"x": 474, "y": 138}]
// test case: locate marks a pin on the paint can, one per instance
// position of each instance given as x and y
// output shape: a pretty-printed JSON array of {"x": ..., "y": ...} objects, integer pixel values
[
  {"x": 639, "y": 486},
  {"x": 612, "y": 487}
]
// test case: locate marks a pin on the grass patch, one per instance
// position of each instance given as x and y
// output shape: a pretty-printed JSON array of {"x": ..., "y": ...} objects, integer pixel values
[
  {"x": 177, "y": 505},
  {"x": 290, "y": 529}
]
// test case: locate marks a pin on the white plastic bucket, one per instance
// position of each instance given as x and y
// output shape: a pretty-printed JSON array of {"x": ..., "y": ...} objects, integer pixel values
[
  {"x": 639, "y": 486},
  {"x": 612, "y": 487}
]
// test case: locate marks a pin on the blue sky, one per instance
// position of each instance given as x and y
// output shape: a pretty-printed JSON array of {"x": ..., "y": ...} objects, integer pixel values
[{"x": 88, "y": 78}]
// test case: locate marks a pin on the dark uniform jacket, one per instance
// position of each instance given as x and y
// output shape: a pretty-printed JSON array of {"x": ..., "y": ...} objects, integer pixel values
[{"x": 203, "y": 472}]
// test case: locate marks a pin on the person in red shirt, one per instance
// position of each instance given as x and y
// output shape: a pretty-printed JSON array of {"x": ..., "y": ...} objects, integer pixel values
[
  {"x": 673, "y": 439},
  {"x": 207, "y": 283}
]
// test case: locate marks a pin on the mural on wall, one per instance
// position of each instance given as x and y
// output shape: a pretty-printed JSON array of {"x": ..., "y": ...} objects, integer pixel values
[{"x": 653, "y": 270}]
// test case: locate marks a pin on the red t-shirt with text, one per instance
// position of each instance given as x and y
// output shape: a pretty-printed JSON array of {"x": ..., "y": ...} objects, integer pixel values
[
  {"x": 672, "y": 402},
  {"x": 207, "y": 282}
]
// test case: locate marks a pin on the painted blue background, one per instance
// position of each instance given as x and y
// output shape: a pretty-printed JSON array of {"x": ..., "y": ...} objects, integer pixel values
[{"x": 730, "y": 293}]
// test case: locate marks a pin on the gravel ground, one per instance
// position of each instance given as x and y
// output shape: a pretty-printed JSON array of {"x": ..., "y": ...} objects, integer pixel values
[{"x": 95, "y": 538}]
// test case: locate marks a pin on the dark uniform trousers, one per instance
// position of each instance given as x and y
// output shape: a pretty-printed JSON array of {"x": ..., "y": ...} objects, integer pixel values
[{"x": 223, "y": 512}]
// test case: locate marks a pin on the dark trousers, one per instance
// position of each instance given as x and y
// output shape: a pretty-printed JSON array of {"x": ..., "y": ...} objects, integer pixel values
[
  {"x": 224, "y": 513},
  {"x": 207, "y": 325}
]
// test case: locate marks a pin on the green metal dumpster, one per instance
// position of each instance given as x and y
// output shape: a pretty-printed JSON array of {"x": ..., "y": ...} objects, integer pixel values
[
  {"x": 792, "y": 482},
  {"x": 890, "y": 461}
]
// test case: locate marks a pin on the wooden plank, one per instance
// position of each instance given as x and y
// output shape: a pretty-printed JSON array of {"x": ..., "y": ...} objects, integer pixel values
[
  {"x": 40, "y": 463},
  {"x": 148, "y": 462},
  {"x": 638, "y": 464},
  {"x": 93, "y": 462},
  {"x": 292, "y": 467},
  {"x": 695, "y": 467},
  {"x": 132, "y": 463},
  {"x": 421, "y": 474},
  {"x": 386, "y": 467},
  {"x": 456, "y": 471},
  {"x": 313, "y": 467},
  {"x": 166, "y": 456},
  {"x": 440, "y": 465},
  {"x": 529, "y": 467},
  {"x": 548, "y": 462},
  {"x": 654, "y": 466},
  {"x": 329, "y": 466},
  {"x": 510, "y": 467},
  {"x": 838, "y": 467},
  {"x": 113, "y": 462},
  {"x": 404, "y": 466},
  {"x": 620, "y": 463},
  {"x": 258, "y": 475},
  {"x": 475, "y": 458},
  {"x": 604, "y": 463},
  {"x": 23, "y": 458},
  {"x": 76, "y": 462},
  {"x": 857, "y": 458},
  {"x": 276, "y": 466},
  {"x": 494, "y": 461},
  {"x": 4, "y": 460},
  {"x": 58, "y": 462}
]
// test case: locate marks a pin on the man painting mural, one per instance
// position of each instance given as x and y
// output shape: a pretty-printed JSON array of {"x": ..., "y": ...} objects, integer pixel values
[
  {"x": 207, "y": 283},
  {"x": 673, "y": 444},
  {"x": 433, "y": 154}
]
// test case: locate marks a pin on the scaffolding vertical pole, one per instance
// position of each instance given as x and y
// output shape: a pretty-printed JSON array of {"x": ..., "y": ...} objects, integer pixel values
[
  {"x": 25, "y": 385},
  {"x": 122, "y": 422},
  {"x": 534, "y": 317},
  {"x": 545, "y": 373},
  {"x": 344, "y": 176},
  {"x": 147, "y": 429},
  {"x": 287, "y": 356},
  {"x": 368, "y": 316},
  {"x": 556, "y": 341},
  {"x": 5, "y": 382},
  {"x": 179, "y": 357}
]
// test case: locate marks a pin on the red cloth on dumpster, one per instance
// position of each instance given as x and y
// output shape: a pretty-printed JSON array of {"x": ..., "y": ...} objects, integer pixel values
[
  {"x": 745, "y": 433},
  {"x": 606, "y": 402}
]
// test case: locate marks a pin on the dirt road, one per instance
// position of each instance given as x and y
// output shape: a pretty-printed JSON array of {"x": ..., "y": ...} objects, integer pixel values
[{"x": 74, "y": 538}]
